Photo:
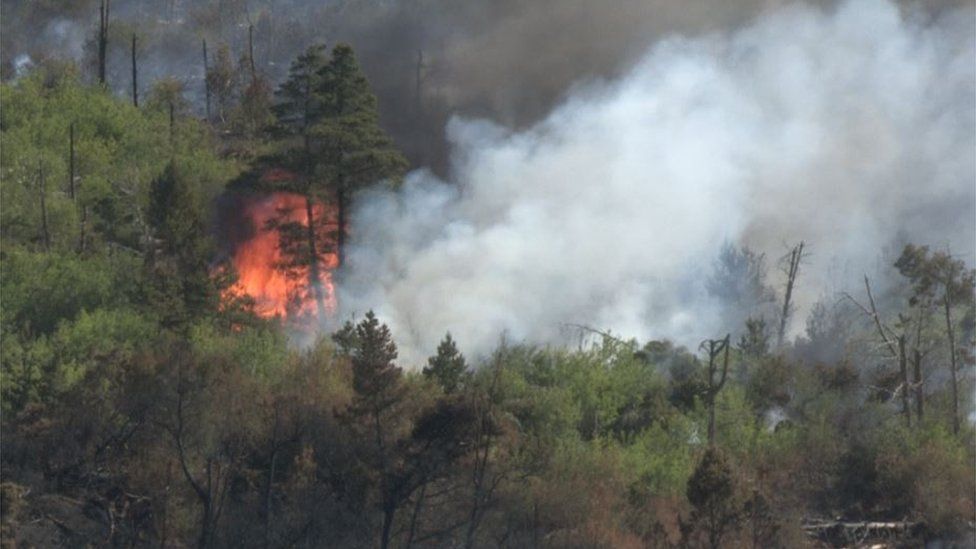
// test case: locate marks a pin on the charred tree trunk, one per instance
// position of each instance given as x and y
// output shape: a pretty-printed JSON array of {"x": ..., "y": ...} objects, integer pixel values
[
  {"x": 135, "y": 79},
  {"x": 792, "y": 269},
  {"x": 903, "y": 371},
  {"x": 250, "y": 52},
  {"x": 206, "y": 79},
  {"x": 419, "y": 80},
  {"x": 952, "y": 362},
  {"x": 103, "y": 12}
]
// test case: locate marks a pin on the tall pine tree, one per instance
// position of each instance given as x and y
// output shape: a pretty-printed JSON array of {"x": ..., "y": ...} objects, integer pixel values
[
  {"x": 334, "y": 146},
  {"x": 298, "y": 110},
  {"x": 355, "y": 152}
]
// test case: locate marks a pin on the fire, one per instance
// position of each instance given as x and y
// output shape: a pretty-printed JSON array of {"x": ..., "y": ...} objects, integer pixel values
[{"x": 277, "y": 288}]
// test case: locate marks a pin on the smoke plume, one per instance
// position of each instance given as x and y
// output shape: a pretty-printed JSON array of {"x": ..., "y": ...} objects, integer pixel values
[{"x": 851, "y": 128}]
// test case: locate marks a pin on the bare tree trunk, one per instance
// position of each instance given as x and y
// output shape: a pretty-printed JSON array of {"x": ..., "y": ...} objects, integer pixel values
[
  {"x": 903, "y": 370},
  {"x": 419, "y": 79},
  {"x": 135, "y": 79},
  {"x": 250, "y": 52},
  {"x": 715, "y": 347},
  {"x": 919, "y": 392},
  {"x": 102, "y": 39},
  {"x": 206, "y": 80},
  {"x": 792, "y": 269},
  {"x": 952, "y": 362}
]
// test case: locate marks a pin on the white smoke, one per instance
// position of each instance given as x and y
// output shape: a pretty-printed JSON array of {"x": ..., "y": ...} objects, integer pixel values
[{"x": 850, "y": 129}]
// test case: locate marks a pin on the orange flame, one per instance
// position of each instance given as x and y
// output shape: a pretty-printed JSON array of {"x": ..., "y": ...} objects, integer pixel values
[{"x": 277, "y": 290}]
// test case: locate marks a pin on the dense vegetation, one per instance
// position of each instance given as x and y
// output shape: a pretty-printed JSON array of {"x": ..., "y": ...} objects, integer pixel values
[{"x": 139, "y": 408}]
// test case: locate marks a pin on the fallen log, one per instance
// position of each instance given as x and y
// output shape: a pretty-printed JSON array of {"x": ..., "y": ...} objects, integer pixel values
[{"x": 838, "y": 533}]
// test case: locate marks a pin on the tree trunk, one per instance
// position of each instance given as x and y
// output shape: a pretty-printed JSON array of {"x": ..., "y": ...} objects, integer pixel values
[
  {"x": 341, "y": 200},
  {"x": 952, "y": 363},
  {"x": 389, "y": 512},
  {"x": 314, "y": 277},
  {"x": 102, "y": 39},
  {"x": 919, "y": 392},
  {"x": 792, "y": 270},
  {"x": 135, "y": 80},
  {"x": 903, "y": 371},
  {"x": 250, "y": 52},
  {"x": 416, "y": 513},
  {"x": 206, "y": 81}
]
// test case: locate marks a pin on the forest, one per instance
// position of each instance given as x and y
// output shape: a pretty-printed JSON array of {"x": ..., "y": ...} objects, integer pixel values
[{"x": 177, "y": 368}]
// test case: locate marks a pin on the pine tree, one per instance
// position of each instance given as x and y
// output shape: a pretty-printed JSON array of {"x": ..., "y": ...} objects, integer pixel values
[
  {"x": 355, "y": 151},
  {"x": 297, "y": 110},
  {"x": 447, "y": 367},
  {"x": 941, "y": 278},
  {"x": 333, "y": 143},
  {"x": 712, "y": 493},
  {"x": 378, "y": 388},
  {"x": 177, "y": 258}
]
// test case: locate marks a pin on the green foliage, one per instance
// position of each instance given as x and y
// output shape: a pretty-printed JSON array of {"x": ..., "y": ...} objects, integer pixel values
[
  {"x": 125, "y": 383},
  {"x": 356, "y": 151},
  {"x": 447, "y": 367},
  {"x": 42, "y": 290},
  {"x": 711, "y": 491},
  {"x": 179, "y": 283},
  {"x": 376, "y": 378}
]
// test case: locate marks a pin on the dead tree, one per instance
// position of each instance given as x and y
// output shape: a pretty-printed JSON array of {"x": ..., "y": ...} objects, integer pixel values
[
  {"x": 903, "y": 372},
  {"x": 135, "y": 80},
  {"x": 419, "y": 80},
  {"x": 950, "y": 332},
  {"x": 714, "y": 348},
  {"x": 206, "y": 81},
  {"x": 103, "y": 14},
  {"x": 250, "y": 52},
  {"x": 897, "y": 352},
  {"x": 792, "y": 269},
  {"x": 917, "y": 381}
]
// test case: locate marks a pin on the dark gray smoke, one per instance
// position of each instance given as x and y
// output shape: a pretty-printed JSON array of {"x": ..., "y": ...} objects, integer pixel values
[{"x": 509, "y": 61}]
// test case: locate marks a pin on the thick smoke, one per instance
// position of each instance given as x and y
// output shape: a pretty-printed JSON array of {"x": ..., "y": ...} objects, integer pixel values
[
  {"x": 507, "y": 60},
  {"x": 851, "y": 128}
]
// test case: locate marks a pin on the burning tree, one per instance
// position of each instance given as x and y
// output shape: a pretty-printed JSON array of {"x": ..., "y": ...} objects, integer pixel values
[{"x": 333, "y": 143}]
